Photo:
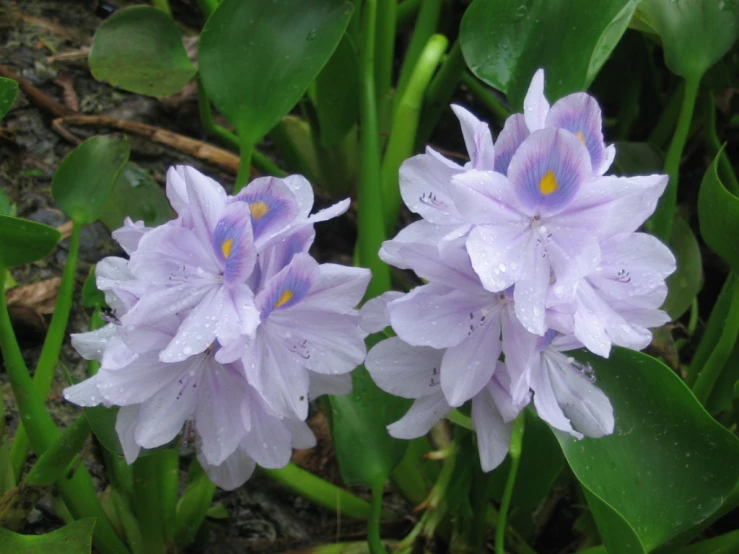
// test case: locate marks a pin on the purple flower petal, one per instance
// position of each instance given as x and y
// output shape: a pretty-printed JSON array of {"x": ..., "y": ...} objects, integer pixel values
[
  {"x": 206, "y": 200},
  {"x": 302, "y": 436},
  {"x": 331, "y": 212},
  {"x": 510, "y": 138},
  {"x": 580, "y": 114},
  {"x": 338, "y": 288},
  {"x": 373, "y": 313},
  {"x": 268, "y": 441},
  {"x": 232, "y": 473},
  {"x": 548, "y": 170},
  {"x": 497, "y": 254},
  {"x": 530, "y": 291},
  {"x": 535, "y": 105},
  {"x": 420, "y": 418},
  {"x": 424, "y": 186},
  {"x": 487, "y": 197},
  {"x": 477, "y": 139},
  {"x": 279, "y": 251},
  {"x": 493, "y": 434},
  {"x": 288, "y": 287},
  {"x": 404, "y": 370},
  {"x": 85, "y": 393},
  {"x": 272, "y": 204},
  {"x": 125, "y": 427},
  {"x": 329, "y": 384},
  {"x": 130, "y": 234},
  {"x": 233, "y": 243}
]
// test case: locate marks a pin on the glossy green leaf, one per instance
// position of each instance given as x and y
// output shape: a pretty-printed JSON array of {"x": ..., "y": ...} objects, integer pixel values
[
  {"x": 75, "y": 538},
  {"x": 337, "y": 94},
  {"x": 8, "y": 92},
  {"x": 54, "y": 462},
  {"x": 139, "y": 49},
  {"x": 695, "y": 34},
  {"x": 365, "y": 451},
  {"x": 23, "y": 241},
  {"x": 668, "y": 466},
  {"x": 257, "y": 57},
  {"x": 686, "y": 282},
  {"x": 83, "y": 181},
  {"x": 137, "y": 195},
  {"x": 505, "y": 41},
  {"x": 718, "y": 216}
]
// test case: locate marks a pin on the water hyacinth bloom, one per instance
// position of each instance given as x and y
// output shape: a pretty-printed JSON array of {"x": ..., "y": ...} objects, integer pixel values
[
  {"x": 523, "y": 262},
  {"x": 224, "y": 325}
]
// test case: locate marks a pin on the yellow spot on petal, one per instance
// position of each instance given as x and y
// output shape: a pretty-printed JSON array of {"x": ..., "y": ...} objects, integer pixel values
[
  {"x": 284, "y": 298},
  {"x": 580, "y": 136},
  {"x": 226, "y": 246},
  {"x": 548, "y": 183},
  {"x": 258, "y": 209}
]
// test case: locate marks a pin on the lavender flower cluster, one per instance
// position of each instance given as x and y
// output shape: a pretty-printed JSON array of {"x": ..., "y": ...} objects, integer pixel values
[
  {"x": 224, "y": 324},
  {"x": 528, "y": 251}
]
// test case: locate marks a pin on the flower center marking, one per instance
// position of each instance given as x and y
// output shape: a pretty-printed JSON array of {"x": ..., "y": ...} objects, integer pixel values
[
  {"x": 226, "y": 247},
  {"x": 548, "y": 184},
  {"x": 258, "y": 209},
  {"x": 284, "y": 298},
  {"x": 580, "y": 136}
]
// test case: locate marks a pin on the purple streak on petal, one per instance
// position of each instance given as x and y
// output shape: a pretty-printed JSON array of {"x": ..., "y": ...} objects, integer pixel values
[
  {"x": 510, "y": 138},
  {"x": 548, "y": 170},
  {"x": 493, "y": 433},
  {"x": 289, "y": 286},
  {"x": 232, "y": 473},
  {"x": 580, "y": 114},
  {"x": 535, "y": 105},
  {"x": 467, "y": 367},
  {"x": 233, "y": 243},
  {"x": 404, "y": 370},
  {"x": 272, "y": 204},
  {"x": 420, "y": 418},
  {"x": 477, "y": 138},
  {"x": 279, "y": 251}
]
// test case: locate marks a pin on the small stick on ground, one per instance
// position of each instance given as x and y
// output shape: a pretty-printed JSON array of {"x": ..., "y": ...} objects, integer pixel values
[{"x": 37, "y": 97}]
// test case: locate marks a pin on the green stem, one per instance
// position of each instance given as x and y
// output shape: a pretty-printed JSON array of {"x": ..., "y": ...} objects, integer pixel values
[
  {"x": 320, "y": 492},
  {"x": 371, "y": 228},
  {"x": 514, "y": 451},
  {"x": 439, "y": 93},
  {"x": 260, "y": 161},
  {"x": 155, "y": 480},
  {"x": 162, "y": 5},
  {"x": 384, "y": 48},
  {"x": 665, "y": 213},
  {"x": 458, "y": 418},
  {"x": 374, "y": 540},
  {"x": 245, "y": 153},
  {"x": 44, "y": 374},
  {"x": 722, "y": 351},
  {"x": 478, "y": 90},
  {"x": 405, "y": 12},
  {"x": 426, "y": 22},
  {"x": 208, "y": 7},
  {"x": 714, "y": 146},
  {"x": 78, "y": 492},
  {"x": 193, "y": 505},
  {"x": 405, "y": 124},
  {"x": 666, "y": 123}
]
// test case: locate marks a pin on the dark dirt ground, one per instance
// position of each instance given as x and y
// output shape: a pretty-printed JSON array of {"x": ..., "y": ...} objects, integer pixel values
[{"x": 262, "y": 516}]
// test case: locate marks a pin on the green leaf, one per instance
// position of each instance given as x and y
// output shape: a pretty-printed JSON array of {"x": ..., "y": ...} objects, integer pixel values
[
  {"x": 75, "y": 538},
  {"x": 668, "y": 466},
  {"x": 505, "y": 41},
  {"x": 8, "y": 92},
  {"x": 102, "y": 422},
  {"x": 257, "y": 58},
  {"x": 139, "y": 49},
  {"x": 6, "y": 207},
  {"x": 82, "y": 182},
  {"x": 23, "y": 241},
  {"x": 54, "y": 462},
  {"x": 687, "y": 281},
  {"x": 695, "y": 34},
  {"x": 637, "y": 158},
  {"x": 718, "y": 216},
  {"x": 366, "y": 452},
  {"x": 92, "y": 296},
  {"x": 337, "y": 94},
  {"x": 137, "y": 195}
]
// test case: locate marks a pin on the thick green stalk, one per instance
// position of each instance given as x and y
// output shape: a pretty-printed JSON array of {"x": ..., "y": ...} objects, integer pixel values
[
  {"x": 405, "y": 124},
  {"x": 260, "y": 161},
  {"x": 162, "y": 5},
  {"x": 245, "y": 153},
  {"x": 665, "y": 213},
  {"x": 44, "y": 374},
  {"x": 439, "y": 93},
  {"x": 194, "y": 504},
  {"x": 370, "y": 217},
  {"x": 320, "y": 492},
  {"x": 478, "y": 90},
  {"x": 666, "y": 123},
  {"x": 207, "y": 6},
  {"x": 374, "y": 539},
  {"x": 78, "y": 492},
  {"x": 384, "y": 48},
  {"x": 155, "y": 480},
  {"x": 426, "y": 23},
  {"x": 514, "y": 451},
  {"x": 722, "y": 351},
  {"x": 714, "y": 146},
  {"x": 406, "y": 11}
]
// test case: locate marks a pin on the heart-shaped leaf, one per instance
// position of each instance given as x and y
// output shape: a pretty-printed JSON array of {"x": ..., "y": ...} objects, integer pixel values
[
  {"x": 8, "y": 92},
  {"x": 82, "y": 182},
  {"x": 668, "y": 466},
  {"x": 139, "y": 49},
  {"x": 718, "y": 216},
  {"x": 505, "y": 41},
  {"x": 366, "y": 453},
  {"x": 75, "y": 538},
  {"x": 695, "y": 34},
  {"x": 23, "y": 241},
  {"x": 257, "y": 57}
]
